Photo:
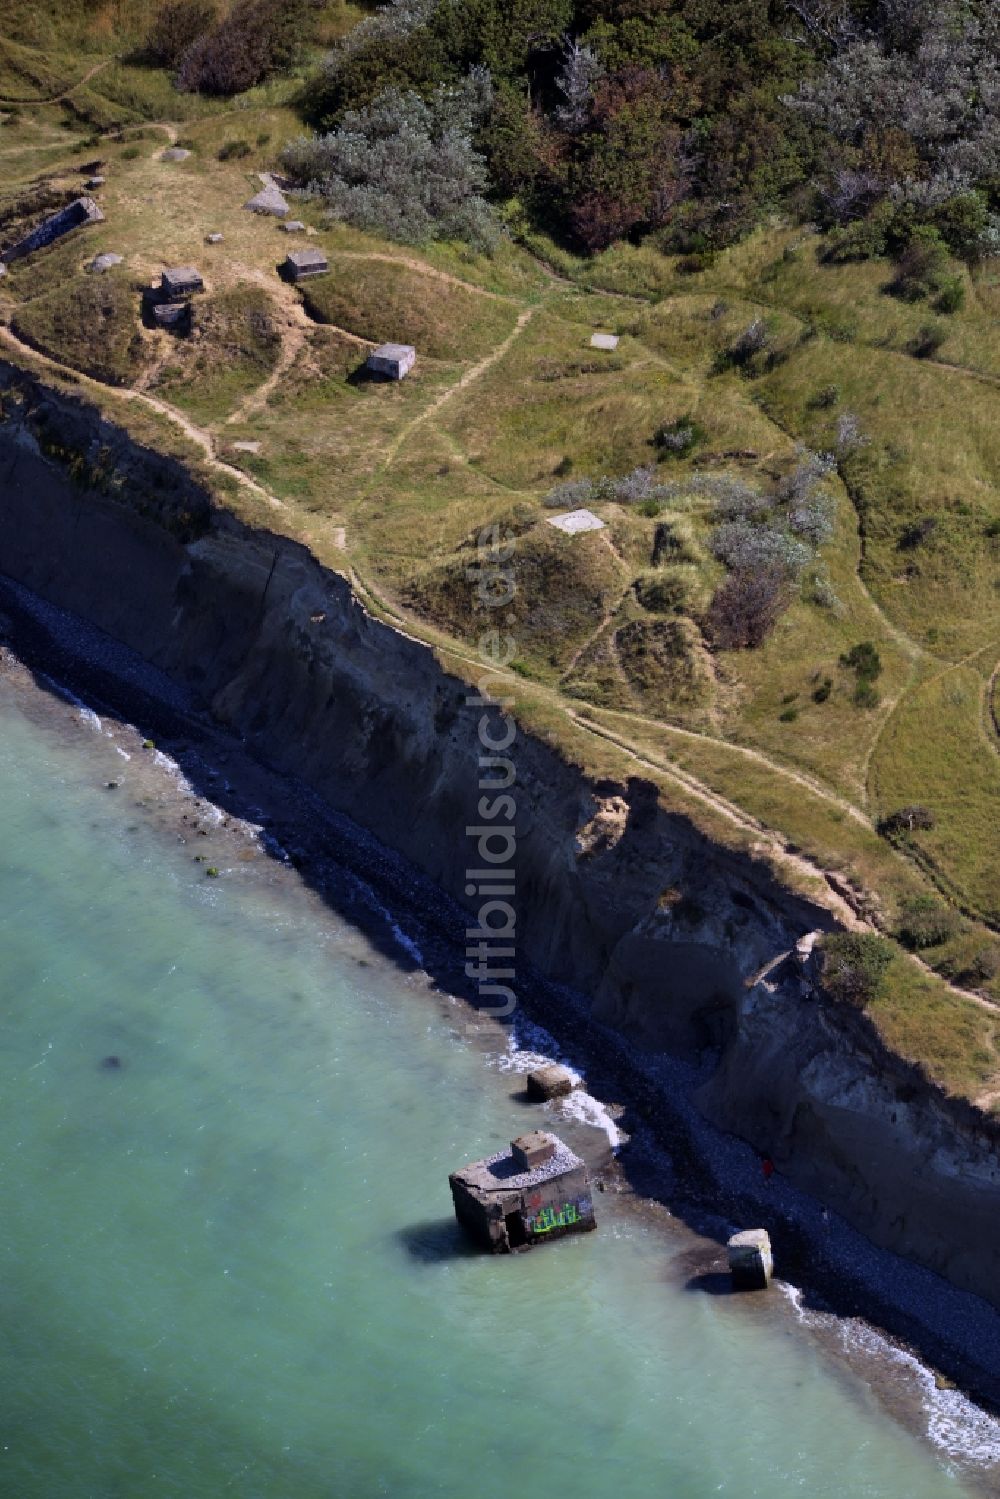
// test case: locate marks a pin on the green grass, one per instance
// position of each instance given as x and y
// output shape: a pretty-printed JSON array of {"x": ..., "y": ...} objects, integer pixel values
[
  {"x": 393, "y": 303},
  {"x": 90, "y": 322}
]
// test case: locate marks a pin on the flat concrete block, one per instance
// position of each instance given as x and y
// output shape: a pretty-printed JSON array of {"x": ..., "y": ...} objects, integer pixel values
[
  {"x": 575, "y": 521},
  {"x": 751, "y": 1263},
  {"x": 293, "y": 226},
  {"x": 213, "y": 239},
  {"x": 174, "y": 153},
  {"x": 604, "y": 341}
]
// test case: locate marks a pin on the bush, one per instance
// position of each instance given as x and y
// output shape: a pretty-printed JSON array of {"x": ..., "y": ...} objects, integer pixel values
[
  {"x": 746, "y": 607},
  {"x": 175, "y": 29},
  {"x": 825, "y": 397},
  {"x": 233, "y": 150},
  {"x": 570, "y": 495},
  {"x": 665, "y": 593},
  {"x": 131, "y": 153},
  {"x": 855, "y": 965},
  {"x": 863, "y": 659},
  {"x": 927, "y": 341},
  {"x": 907, "y": 820},
  {"x": 926, "y": 922},
  {"x": 679, "y": 438},
  {"x": 951, "y": 296},
  {"x": 865, "y": 695},
  {"x": 823, "y": 690},
  {"x": 404, "y": 167},
  {"x": 980, "y": 968},
  {"x": 920, "y": 267},
  {"x": 751, "y": 351},
  {"x": 254, "y": 41},
  {"x": 788, "y": 715}
]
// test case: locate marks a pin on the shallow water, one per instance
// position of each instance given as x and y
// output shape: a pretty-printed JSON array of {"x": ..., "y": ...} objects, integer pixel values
[{"x": 227, "y": 1265}]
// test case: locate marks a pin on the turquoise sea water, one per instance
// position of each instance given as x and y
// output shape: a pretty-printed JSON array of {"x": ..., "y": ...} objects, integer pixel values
[{"x": 226, "y": 1266}]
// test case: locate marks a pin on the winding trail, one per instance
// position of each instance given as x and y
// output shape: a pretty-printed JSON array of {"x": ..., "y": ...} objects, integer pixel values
[
  {"x": 463, "y": 383},
  {"x": 64, "y": 93},
  {"x": 195, "y": 434}
]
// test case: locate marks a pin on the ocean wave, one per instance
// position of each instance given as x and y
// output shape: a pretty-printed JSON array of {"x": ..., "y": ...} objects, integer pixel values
[{"x": 530, "y": 1046}]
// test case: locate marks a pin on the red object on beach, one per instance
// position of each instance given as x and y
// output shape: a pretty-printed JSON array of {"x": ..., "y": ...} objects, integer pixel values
[{"x": 767, "y": 1166}]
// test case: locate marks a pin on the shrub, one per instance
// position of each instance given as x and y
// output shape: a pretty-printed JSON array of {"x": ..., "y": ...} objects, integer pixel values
[
  {"x": 751, "y": 351},
  {"x": 823, "y": 690},
  {"x": 254, "y": 41},
  {"x": 926, "y": 922},
  {"x": 665, "y": 593},
  {"x": 825, "y": 397},
  {"x": 679, "y": 438},
  {"x": 175, "y": 29},
  {"x": 980, "y": 968},
  {"x": 131, "y": 153},
  {"x": 907, "y": 820},
  {"x": 926, "y": 341},
  {"x": 746, "y": 607},
  {"x": 951, "y": 296},
  {"x": 863, "y": 659},
  {"x": 865, "y": 695},
  {"x": 233, "y": 150},
  {"x": 915, "y": 533},
  {"x": 404, "y": 167},
  {"x": 788, "y": 715},
  {"x": 920, "y": 267},
  {"x": 855, "y": 965},
  {"x": 570, "y": 495}
]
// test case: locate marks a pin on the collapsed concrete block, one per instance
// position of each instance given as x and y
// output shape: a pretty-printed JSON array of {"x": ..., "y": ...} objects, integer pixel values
[
  {"x": 534, "y": 1192},
  {"x": 174, "y": 153},
  {"x": 213, "y": 239},
  {"x": 81, "y": 211},
  {"x": 180, "y": 281},
  {"x": 551, "y": 1081},
  {"x": 270, "y": 200},
  {"x": 105, "y": 262},
  {"x": 751, "y": 1263}
]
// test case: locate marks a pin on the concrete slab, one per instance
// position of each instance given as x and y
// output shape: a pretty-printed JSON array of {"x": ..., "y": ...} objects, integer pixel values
[{"x": 575, "y": 521}]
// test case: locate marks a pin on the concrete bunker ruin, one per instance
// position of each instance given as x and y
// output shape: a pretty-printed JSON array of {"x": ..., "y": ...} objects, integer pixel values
[
  {"x": 536, "y": 1191},
  {"x": 299, "y": 265},
  {"x": 81, "y": 211}
]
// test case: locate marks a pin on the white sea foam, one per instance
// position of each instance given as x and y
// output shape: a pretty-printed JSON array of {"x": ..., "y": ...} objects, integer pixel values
[
  {"x": 955, "y": 1424},
  {"x": 529, "y": 1047}
]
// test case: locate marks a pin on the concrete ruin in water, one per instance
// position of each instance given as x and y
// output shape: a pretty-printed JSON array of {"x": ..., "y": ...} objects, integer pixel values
[{"x": 536, "y": 1191}]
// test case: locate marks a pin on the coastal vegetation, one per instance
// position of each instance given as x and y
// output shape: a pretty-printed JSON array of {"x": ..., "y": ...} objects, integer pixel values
[{"x": 788, "y": 621}]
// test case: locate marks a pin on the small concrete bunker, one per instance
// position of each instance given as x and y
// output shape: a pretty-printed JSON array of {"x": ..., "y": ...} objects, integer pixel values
[
  {"x": 536, "y": 1191},
  {"x": 299, "y": 265},
  {"x": 391, "y": 361},
  {"x": 179, "y": 282}
]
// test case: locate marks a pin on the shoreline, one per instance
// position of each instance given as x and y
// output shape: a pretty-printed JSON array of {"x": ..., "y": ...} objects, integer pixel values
[{"x": 673, "y": 1158}]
